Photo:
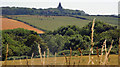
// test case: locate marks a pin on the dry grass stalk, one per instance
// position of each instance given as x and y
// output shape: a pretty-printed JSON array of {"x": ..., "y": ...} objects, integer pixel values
[
  {"x": 47, "y": 54},
  {"x": 32, "y": 58},
  {"x": 119, "y": 45},
  {"x": 102, "y": 49},
  {"x": 6, "y": 55},
  {"x": 55, "y": 58},
  {"x": 107, "y": 54},
  {"x": 119, "y": 52},
  {"x": 92, "y": 29},
  {"x": 70, "y": 55},
  {"x": 92, "y": 43},
  {"x": 40, "y": 52},
  {"x": 32, "y": 55},
  {"x": 27, "y": 63},
  {"x": 81, "y": 55},
  {"x": 6, "y": 52},
  {"x": 13, "y": 60},
  {"x": 89, "y": 59},
  {"x": 80, "y": 51},
  {"x": 105, "y": 47},
  {"x": 44, "y": 58},
  {"x": 65, "y": 57},
  {"x": 74, "y": 64},
  {"x": 20, "y": 62},
  {"x": 97, "y": 51}
]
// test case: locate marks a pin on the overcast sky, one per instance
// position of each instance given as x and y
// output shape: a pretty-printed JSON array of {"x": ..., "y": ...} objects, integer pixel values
[{"x": 93, "y": 7}]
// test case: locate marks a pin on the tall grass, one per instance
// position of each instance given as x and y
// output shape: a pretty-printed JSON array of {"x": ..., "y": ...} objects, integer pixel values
[
  {"x": 70, "y": 55},
  {"x": 40, "y": 53},
  {"x": 55, "y": 58},
  {"x": 65, "y": 58},
  {"x": 92, "y": 43},
  {"x": 107, "y": 54},
  {"x": 6, "y": 54},
  {"x": 44, "y": 59},
  {"x": 80, "y": 59},
  {"x": 47, "y": 55}
]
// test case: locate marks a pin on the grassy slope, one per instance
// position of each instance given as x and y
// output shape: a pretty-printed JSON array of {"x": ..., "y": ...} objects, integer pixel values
[
  {"x": 110, "y": 20},
  {"x": 52, "y": 22}
]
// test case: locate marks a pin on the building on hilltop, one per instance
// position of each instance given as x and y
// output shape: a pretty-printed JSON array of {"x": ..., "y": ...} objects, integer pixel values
[{"x": 60, "y": 6}]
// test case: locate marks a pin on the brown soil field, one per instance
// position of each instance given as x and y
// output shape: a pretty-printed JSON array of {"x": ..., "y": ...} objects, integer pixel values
[{"x": 12, "y": 24}]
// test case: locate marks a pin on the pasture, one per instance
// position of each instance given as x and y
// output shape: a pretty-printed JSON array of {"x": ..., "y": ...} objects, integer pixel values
[
  {"x": 109, "y": 20},
  {"x": 50, "y": 22}
]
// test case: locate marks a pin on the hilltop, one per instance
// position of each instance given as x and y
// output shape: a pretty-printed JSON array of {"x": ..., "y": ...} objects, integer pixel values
[
  {"x": 34, "y": 11},
  {"x": 59, "y": 11}
]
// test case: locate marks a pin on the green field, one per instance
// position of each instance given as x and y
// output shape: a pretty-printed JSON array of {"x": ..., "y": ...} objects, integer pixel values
[
  {"x": 113, "y": 60},
  {"x": 51, "y": 22},
  {"x": 110, "y": 20}
]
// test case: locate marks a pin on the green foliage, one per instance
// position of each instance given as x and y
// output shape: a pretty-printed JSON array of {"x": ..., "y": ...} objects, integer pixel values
[
  {"x": 76, "y": 37},
  {"x": 99, "y": 28},
  {"x": 68, "y": 30},
  {"x": 21, "y": 42},
  {"x": 54, "y": 42},
  {"x": 75, "y": 41}
]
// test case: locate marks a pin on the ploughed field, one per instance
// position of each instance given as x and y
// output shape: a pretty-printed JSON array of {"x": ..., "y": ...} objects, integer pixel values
[
  {"x": 113, "y": 60},
  {"x": 12, "y": 24}
]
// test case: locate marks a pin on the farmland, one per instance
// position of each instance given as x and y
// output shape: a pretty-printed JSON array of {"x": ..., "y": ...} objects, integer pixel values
[
  {"x": 110, "y": 20},
  {"x": 53, "y": 22},
  {"x": 12, "y": 24},
  {"x": 61, "y": 61},
  {"x": 50, "y": 22}
]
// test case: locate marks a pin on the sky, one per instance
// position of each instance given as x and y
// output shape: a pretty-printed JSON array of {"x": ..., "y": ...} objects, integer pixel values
[{"x": 92, "y": 7}]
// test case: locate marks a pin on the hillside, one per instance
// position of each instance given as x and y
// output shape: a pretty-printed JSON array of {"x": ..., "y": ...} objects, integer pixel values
[
  {"x": 108, "y": 19},
  {"x": 49, "y": 23}
]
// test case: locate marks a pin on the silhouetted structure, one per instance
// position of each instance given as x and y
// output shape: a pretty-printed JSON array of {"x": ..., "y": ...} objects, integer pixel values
[{"x": 60, "y": 6}]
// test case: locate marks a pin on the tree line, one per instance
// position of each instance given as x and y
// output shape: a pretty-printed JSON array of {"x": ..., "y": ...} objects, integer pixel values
[{"x": 40, "y": 11}]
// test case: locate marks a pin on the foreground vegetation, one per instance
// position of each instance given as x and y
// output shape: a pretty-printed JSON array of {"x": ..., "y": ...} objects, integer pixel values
[{"x": 113, "y": 59}]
